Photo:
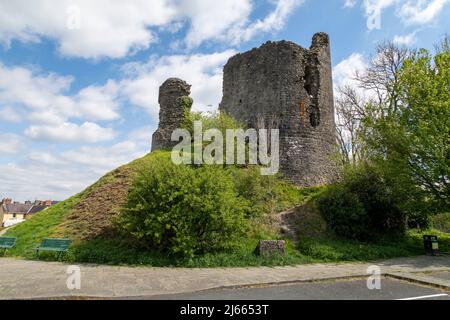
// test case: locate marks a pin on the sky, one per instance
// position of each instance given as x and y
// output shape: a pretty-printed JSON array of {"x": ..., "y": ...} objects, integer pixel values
[{"x": 79, "y": 79}]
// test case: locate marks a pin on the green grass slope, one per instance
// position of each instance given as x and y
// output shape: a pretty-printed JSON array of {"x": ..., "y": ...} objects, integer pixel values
[
  {"x": 67, "y": 217},
  {"x": 87, "y": 219}
]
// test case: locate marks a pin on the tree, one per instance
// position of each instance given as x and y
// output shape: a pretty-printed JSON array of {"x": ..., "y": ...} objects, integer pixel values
[
  {"x": 350, "y": 110},
  {"x": 375, "y": 96},
  {"x": 183, "y": 210},
  {"x": 402, "y": 123},
  {"x": 424, "y": 117},
  {"x": 410, "y": 131},
  {"x": 381, "y": 78}
]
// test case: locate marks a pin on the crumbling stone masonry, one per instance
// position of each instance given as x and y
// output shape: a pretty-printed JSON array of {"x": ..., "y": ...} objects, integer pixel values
[
  {"x": 271, "y": 247},
  {"x": 173, "y": 99},
  {"x": 284, "y": 86}
]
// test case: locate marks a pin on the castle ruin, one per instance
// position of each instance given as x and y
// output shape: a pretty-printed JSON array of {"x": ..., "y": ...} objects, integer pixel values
[
  {"x": 277, "y": 86},
  {"x": 284, "y": 86},
  {"x": 173, "y": 99}
]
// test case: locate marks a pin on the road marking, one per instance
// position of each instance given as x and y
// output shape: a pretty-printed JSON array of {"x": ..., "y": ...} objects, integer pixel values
[{"x": 426, "y": 297}]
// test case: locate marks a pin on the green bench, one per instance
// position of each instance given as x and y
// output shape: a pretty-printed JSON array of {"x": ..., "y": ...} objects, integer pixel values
[
  {"x": 61, "y": 246},
  {"x": 7, "y": 243}
]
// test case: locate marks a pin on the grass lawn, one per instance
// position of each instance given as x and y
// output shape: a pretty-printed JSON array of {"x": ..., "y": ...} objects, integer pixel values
[
  {"x": 320, "y": 250},
  {"x": 332, "y": 249},
  {"x": 42, "y": 225},
  {"x": 73, "y": 218},
  {"x": 327, "y": 249}
]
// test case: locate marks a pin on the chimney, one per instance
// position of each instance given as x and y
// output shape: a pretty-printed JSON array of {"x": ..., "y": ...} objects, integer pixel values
[{"x": 7, "y": 201}]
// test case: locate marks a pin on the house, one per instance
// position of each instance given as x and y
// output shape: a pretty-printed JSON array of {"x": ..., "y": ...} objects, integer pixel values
[{"x": 14, "y": 212}]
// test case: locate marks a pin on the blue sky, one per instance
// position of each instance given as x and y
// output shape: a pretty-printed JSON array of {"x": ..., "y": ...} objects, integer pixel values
[{"x": 79, "y": 79}]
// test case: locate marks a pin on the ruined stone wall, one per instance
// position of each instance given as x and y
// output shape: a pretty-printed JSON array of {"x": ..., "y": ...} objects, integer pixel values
[
  {"x": 282, "y": 85},
  {"x": 173, "y": 99}
]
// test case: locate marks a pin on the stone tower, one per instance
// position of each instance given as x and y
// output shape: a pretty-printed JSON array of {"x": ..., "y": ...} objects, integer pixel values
[
  {"x": 284, "y": 86},
  {"x": 173, "y": 99}
]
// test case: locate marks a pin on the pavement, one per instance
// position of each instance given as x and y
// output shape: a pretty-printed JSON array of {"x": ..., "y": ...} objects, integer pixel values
[{"x": 26, "y": 279}]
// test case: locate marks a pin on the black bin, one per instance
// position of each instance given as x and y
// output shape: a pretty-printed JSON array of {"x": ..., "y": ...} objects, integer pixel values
[{"x": 431, "y": 245}]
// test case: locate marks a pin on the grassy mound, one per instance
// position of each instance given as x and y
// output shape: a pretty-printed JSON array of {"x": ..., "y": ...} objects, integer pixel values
[
  {"x": 83, "y": 217},
  {"x": 88, "y": 219}
]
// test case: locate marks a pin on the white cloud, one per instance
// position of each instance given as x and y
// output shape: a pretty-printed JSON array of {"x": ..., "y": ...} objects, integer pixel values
[
  {"x": 421, "y": 11},
  {"x": 43, "y": 100},
  {"x": 46, "y": 158},
  {"x": 100, "y": 160},
  {"x": 142, "y": 135},
  {"x": 47, "y": 105},
  {"x": 418, "y": 12},
  {"x": 99, "y": 102},
  {"x": 202, "y": 71},
  {"x": 344, "y": 75},
  {"x": 344, "y": 72},
  {"x": 10, "y": 143},
  {"x": 273, "y": 22},
  {"x": 405, "y": 40},
  {"x": 8, "y": 114},
  {"x": 29, "y": 182},
  {"x": 214, "y": 19},
  {"x": 110, "y": 28},
  {"x": 373, "y": 11},
  {"x": 20, "y": 86},
  {"x": 37, "y": 180},
  {"x": 69, "y": 132},
  {"x": 47, "y": 174},
  {"x": 378, "y": 4}
]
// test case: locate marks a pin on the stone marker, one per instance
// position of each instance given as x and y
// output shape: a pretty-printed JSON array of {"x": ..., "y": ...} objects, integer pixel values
[{"x": 270, "y": 247}]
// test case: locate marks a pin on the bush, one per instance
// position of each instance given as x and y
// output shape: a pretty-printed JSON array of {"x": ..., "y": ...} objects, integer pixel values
[
  {"x": 214, "y": 120},
  {"x": 441, "y": 222},
  {"x": 266, "y": 194},
  {"x": 344, "y": 213},
  {"x": 182, "y": 209},
  {"x": 383, "y": 198},
  {"x": 367, "y": 203}
]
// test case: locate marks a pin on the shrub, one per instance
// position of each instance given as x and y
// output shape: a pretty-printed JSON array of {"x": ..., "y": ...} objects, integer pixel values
[
  {"x": 344, "y": 213},
  {"x": 367, "y": 203},
  {"x": 441, "y": 222},
  {"x": 267, "y": 194},
  {"x": 382, "y": 197},
  {"x": 214, "y": 120},
  {"x": 182, "y": 209}
]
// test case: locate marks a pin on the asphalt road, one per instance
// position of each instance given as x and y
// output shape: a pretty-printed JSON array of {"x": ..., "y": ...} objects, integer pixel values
[{"x": 332, "y": 290}]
